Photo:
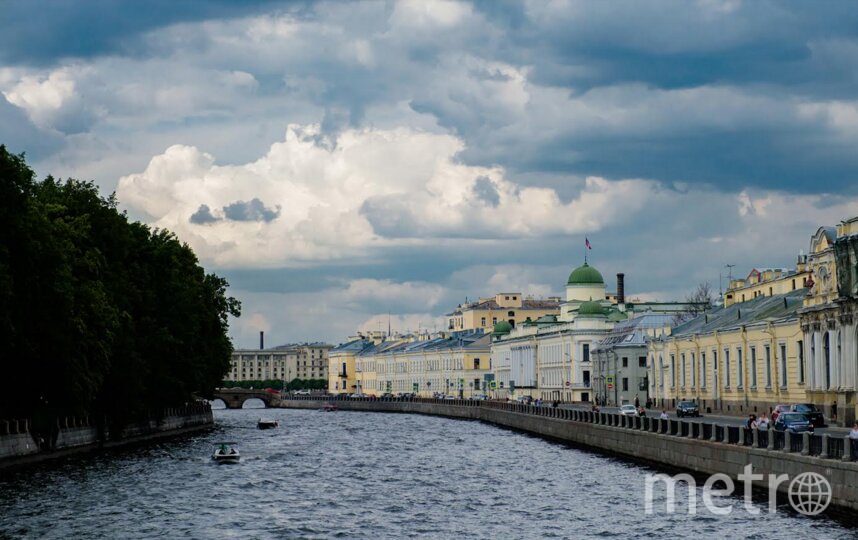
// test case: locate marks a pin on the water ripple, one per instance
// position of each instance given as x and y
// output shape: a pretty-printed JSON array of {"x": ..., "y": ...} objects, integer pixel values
[{"x": 360, "y": 475}]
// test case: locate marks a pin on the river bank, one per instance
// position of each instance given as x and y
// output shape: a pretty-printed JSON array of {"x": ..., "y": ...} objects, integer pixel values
[
  {"x": 703, "y": 449},
  {"x": 21, "y": 446}
]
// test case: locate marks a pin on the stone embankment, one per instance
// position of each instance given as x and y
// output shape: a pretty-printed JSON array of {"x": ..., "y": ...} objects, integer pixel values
[
  {"x": 22, "y": 444},
  {"x": 690, "y": 446}
]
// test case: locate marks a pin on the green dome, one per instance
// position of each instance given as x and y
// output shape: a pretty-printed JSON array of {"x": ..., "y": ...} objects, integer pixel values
[
  {"x": 502, "y": 328},
  {"x": 616, "y": 316},
  {"x": 591, "y": 309},
  {"x": 546, "y": 320},
  {"x": 585, "y": 275}
]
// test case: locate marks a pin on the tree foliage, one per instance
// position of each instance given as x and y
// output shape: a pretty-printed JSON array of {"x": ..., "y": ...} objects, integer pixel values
[
  {"x": 698, "y": 302},
  {"x": 99, "y": 314}
]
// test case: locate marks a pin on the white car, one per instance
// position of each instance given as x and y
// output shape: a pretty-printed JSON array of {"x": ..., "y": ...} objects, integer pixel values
[{"x": 628, "y": 410}]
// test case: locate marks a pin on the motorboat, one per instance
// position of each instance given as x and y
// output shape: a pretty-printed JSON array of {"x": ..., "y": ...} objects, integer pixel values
[
  {"x": 226, "y": 452},
  {"x": 330, "y": 407},
  {"x": 267, "y": 423}
]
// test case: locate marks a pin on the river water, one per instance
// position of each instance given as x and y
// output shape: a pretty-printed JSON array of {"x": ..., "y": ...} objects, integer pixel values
[{"x": 362, "y": 475}]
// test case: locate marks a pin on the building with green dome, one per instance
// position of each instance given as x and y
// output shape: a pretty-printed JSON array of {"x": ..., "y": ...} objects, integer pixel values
[{"x": 585, "y": 284}]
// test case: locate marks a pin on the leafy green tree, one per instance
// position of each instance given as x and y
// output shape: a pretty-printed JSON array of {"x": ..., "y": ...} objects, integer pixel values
[{"x": 99, "y": 315}]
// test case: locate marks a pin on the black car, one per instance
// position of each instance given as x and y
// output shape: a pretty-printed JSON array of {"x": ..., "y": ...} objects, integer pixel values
[
  {"x": 793, "y": 421},
  {"x": 811, "y": 411},
  {"x": 687, "y": 408}
]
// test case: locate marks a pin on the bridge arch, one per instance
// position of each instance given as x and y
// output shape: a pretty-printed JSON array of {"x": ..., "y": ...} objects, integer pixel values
[{"x": 234, "y": 399}]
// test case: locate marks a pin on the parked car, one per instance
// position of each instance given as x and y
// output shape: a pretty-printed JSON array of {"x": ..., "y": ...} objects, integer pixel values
[
  {"x": 778, "y": 410},
  {"x": 811, "y": 411},
  {"x": 687, "y": 408},
  {"x": 524, "y": 399},
  {"x": 480, "y": 397},
  {"x": 302, "y": 392},
  {"x": 387, "y": 395},
  {"x": 794, "y": 422},
  {"x": 628, "y": 410},
  {"x": 450, "y": 397}
]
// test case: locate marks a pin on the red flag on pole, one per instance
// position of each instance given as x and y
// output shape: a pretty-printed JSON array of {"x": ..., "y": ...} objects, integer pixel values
[{"x": 587, "y": 243}]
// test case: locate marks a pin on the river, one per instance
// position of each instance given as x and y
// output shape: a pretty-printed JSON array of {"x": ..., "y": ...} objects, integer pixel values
[{"x": 362, "y": 475}]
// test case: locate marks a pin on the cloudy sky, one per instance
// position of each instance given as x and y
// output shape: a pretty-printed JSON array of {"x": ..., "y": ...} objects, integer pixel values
[{"x": 339, "y": 161}]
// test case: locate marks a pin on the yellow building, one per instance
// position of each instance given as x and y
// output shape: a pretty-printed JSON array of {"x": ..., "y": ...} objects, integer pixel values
[
  {"x": 768, "y": 282},
  {"x": 513, "y": 308},
  {"x": 453, "y": 363},
  {"x": 829, "y": 320},
  {"x": 741, "y": 359},
  {"x": 342, "y": 377}
]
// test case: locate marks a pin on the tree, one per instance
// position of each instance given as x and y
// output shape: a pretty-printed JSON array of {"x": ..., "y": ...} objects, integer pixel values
[
  {"x": 697, "y": 302},
  {"x": 99, "y": 315}
]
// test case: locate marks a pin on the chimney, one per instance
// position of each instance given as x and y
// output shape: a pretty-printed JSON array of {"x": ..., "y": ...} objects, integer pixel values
[
  {"x": 261, "y": 340},
  {"x": 621, "y": 288}
]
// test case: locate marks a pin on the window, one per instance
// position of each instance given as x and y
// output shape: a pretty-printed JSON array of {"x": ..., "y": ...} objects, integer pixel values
[
  {"x": 693, "y": 370},
  {"x": 783, "y": 365},
  {"x": 726, "y": 368},
  {"x": 585, "y": 352},
  {"x": 586, "y": 375},
  {"x": 625, "y": 384},
  {"x": 482, "y": 321},
  {"x": 660, "y": 371},
  {"x": 510, "y": 314},
  {"x": 672, "y": 370},
  {"x": 753, "y": 367},
  {"x": 682, "y": 370},
  {"x": 740, "y": 369},
  {"x": 641, "y": 361},
  {"x": 800, "y": 350},
  {"x": 476, "y": 363},
  {"x": 768, "y": 367},
  {"x": 625, "y": 361},
  {"x": 703, "y": 370},
  {"x": 494, "y": 321}
]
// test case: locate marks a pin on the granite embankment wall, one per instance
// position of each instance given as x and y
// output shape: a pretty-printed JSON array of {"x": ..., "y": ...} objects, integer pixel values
[
  {"x": 21, "y": 444},
  {"x": 700, "y": 448}
]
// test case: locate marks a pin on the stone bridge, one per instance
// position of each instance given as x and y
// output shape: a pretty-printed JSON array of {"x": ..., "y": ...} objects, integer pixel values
[{"x": 235, "y": 398}]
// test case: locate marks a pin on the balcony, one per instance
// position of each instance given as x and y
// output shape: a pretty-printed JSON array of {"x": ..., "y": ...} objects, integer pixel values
[{"x": 343, "y": 375}]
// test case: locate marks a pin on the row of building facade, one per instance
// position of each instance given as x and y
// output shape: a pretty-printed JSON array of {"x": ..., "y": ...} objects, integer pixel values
[{"x": 777, "y": 336}]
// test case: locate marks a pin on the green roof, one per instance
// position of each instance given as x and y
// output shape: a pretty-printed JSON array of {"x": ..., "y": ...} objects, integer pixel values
[
  {"x": 591, "y": 309},
  {"x": 616, "y": 315},
  {"x": 585, "y": 275},
  {"x": 502, "y": 328}
]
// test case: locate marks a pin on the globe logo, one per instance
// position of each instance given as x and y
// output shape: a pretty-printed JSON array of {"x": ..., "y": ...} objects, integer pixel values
[{"x": 809, "y": 493}]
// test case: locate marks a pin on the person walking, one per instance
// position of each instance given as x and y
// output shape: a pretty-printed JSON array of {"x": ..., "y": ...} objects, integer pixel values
[
  {"x": 763, "y": 422},
  {"x": 854, "y": 433},
  {"x": 834, "y": 411},
  {"x": 663, "y": 415},
  {"x": 752, "y": 421},
  {"x": 637, "y": 402}
]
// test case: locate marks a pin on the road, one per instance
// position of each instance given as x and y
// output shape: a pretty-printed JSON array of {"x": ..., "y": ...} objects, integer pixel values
[{"x": 713, "y": 418}]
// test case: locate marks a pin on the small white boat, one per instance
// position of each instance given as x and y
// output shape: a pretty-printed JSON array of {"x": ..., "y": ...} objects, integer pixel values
[
  {"x": 226, "y": 452},
  {"x": 267, "y": 423}
]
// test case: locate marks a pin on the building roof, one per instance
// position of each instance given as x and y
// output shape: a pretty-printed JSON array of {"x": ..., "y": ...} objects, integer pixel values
[
  {"x": 633, "y": 332},
  {"x": 591, "y": 308},
  {"x": 356, "y": 345},
  {"x": 457, "y": 340},
  {"x": 490, "y": 303},
  {"x": 776, "y": 308},
  {"x": 585, "y": 275}
]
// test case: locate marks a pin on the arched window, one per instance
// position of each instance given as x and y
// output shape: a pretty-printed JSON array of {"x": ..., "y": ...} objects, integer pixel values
[{"x": 660, "y": 371}]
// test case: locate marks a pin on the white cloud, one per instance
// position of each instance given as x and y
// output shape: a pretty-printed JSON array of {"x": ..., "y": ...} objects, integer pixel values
[{"x": 364, "y": 189}]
